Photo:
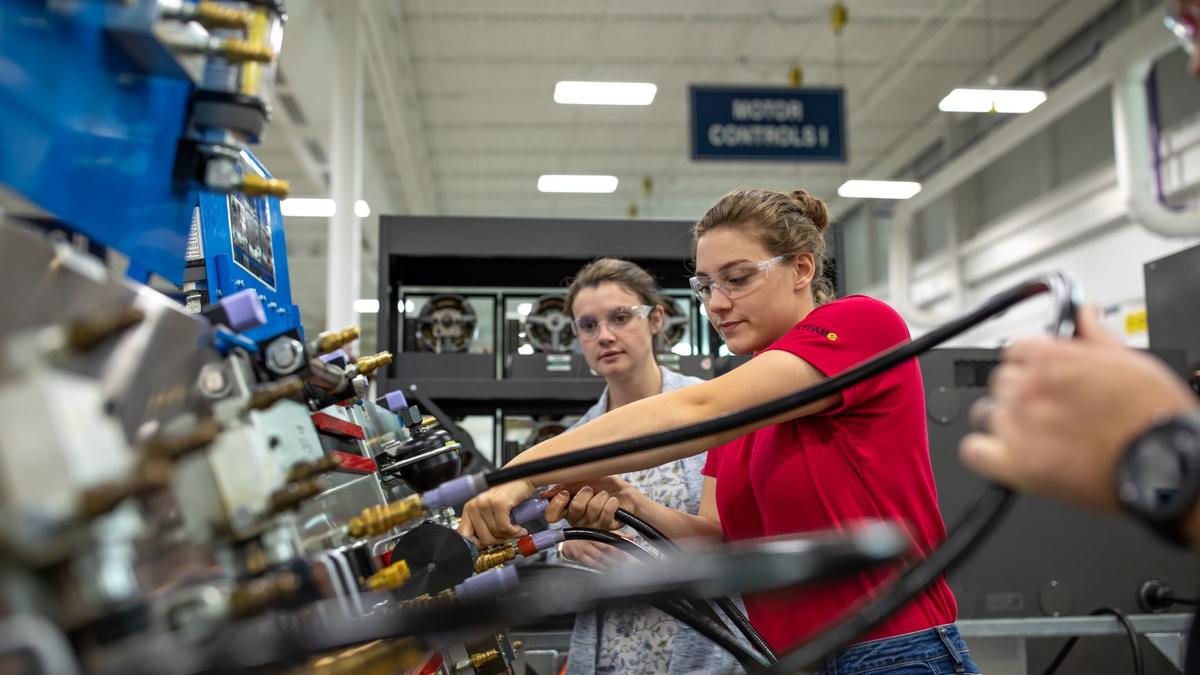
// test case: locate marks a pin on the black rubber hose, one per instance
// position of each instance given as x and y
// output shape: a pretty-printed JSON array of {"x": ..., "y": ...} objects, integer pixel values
[
  {"x": 1135, "y": 648},
  {"x": 834, "y": 385},
  {"x": 980, "y": 520},
  {"x": 637, "y": 551},
  {"x": 603, "y": 537},
  {"x": 727, "y": 606},
  {"x": 751, "y": 661}
]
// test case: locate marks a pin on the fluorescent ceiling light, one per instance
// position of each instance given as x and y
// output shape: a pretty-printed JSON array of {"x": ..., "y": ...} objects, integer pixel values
[
  {"x": 366, "y": 306},
  {"x": 605, "y": 93},
  {"x": 299, "y": 207},
  {"x": 879, "y": 189},
  {"x": 362, "y": 209},
  {"x": 593, "y": 184},
  {"x": 987, "y": 100}
]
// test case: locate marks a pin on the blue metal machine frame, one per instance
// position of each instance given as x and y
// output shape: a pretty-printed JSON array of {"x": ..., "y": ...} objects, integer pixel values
[
  {"x": 90, "y": 132},
  {"x": 88, "y": 135},
  {"x": 245, "y": 247}
]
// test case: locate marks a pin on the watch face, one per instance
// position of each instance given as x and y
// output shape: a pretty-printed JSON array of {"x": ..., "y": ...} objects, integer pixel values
[{"x": 1157, "y": 475}]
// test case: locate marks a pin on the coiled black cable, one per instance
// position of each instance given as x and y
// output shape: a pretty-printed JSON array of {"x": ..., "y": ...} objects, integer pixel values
[
  {"x": 715, "y": 631},
  {"x": 1138, "y": 664},
  {"x": 727, "y": 606},
  {"x": 637, "y": 551}
]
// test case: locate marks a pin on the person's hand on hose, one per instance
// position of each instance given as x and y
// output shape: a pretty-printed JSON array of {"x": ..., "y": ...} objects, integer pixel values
[
  {"x": 592, "y": 504},
  {"x": 486, "y": 519},
  {"x": 1061, "y": 412}
]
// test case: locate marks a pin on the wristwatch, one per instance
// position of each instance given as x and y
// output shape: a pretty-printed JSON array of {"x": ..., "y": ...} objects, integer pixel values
[{"x": 1158, "y": 478}]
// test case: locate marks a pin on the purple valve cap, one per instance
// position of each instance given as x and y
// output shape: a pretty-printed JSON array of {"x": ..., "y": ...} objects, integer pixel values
[
  {"x": 394, "y": 401},
  {"x": 487, "y": 584},
  {"x": 338, "y": 357},
  {"x": 243, "y": 310},
  {"x": 528, "y": 510},
  {"x": 454, "y": 492},
  {"x": 548, "y": 538}
]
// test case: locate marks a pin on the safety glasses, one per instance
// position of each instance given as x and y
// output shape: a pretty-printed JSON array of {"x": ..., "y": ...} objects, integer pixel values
[
  {"x": 618, "y": 320},
  {"x": 735, "y": 281}
]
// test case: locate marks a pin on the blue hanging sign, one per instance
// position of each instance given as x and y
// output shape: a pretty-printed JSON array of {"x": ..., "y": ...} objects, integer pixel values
[{"x": 772, "y": 124}]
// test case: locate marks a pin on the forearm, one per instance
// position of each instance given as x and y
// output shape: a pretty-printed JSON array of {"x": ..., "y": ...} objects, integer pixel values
[
  {"x": 676, "y": 524},
  {"x": 657, "y": 413}
]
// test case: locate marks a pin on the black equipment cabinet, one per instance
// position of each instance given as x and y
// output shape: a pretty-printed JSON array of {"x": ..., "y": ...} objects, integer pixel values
[
  {"x": 1044, "y": 559},
  {"x": 1173, "y": 306},
  {"x": 501, "y": 257}
]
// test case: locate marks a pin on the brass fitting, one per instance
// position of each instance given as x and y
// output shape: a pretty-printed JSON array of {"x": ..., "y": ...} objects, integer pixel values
[
  {"x": 291, "y": 495},
  {"x": 176, "y": 447},
  {"x": 215, "y": 15},
  {"x": 87, "y": 334},
  {"x": 480, "y": 659},
  {"x": 266, "y": 395},
  {"x": 263, "y": 593},
  {"x": 333, "y": 339},
  {"x": 495, "y": 557},
  {"x": 389, "y": 578},
  {"x": 253, "y": 184},
  {"x": 369, "y": 364},
  {"x": 425, "y": 600},
  {"x": 379, "y": 657},
  {"x": 240, "y": 51},
  {"x": 379, "y": 519},
  {"x": 303, "y": 470},
  {"x": 152, "y": 474}
]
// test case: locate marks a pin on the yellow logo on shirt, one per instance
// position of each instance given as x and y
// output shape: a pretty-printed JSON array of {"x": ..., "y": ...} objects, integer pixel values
[{"x": 832, "y": 337}]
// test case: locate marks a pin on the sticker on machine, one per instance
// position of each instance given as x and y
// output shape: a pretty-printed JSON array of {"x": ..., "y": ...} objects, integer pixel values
[{"x": 250, "y": 236}]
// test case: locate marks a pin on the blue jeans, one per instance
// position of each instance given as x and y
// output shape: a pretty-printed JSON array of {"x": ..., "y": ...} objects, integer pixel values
[{"x": 937, "y": 651}]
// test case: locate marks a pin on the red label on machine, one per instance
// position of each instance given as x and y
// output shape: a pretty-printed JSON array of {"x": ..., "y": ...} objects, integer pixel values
[
  {"x": 331, "y": 425},
  {"x": 351, "y": 462}
]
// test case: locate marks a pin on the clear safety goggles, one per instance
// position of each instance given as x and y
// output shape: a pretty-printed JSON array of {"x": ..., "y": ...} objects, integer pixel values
[
  {"x": 618, "y": 319},
  {"x": 736, "y": 281}
]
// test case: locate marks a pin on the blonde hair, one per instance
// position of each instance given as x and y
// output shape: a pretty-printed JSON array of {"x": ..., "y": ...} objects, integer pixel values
[{"x": 785, "y": 223}]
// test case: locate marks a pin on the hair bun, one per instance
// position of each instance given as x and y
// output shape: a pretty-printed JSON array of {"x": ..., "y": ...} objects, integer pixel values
[{"x": 813, "y": 207}]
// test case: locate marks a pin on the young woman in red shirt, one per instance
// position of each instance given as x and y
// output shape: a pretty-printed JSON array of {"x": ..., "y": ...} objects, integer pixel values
[{"x": 862, "y": 454}]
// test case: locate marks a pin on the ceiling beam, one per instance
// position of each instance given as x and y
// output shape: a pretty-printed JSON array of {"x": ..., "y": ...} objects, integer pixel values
[
  {"x": 1061, "y": 22},
  {"x": 390, "y": 72}
]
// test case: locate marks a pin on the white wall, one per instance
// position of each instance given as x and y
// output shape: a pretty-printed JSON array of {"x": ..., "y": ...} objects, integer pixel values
[{"x": 1080, "y": 227}]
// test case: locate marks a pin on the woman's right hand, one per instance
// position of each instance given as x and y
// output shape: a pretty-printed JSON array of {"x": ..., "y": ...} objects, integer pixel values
[{"x": 486, "y": 519}]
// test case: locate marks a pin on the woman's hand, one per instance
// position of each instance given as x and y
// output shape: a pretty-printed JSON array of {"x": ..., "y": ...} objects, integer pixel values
[
  {"x": 594, "y": 504},
  {"x": 592, "y": 553},
  {"x": 486, "y": 519}
]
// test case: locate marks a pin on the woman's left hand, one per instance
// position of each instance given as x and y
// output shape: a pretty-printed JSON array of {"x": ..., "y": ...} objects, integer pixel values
[{"x": 594, "y": 503}]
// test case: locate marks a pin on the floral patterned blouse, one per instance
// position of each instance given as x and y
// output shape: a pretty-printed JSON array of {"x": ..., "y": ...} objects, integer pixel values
[{"x": 643, "y": 639}]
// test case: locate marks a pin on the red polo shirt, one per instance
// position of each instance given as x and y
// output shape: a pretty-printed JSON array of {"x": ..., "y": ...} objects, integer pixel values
[{"x": 866, "y": 457}]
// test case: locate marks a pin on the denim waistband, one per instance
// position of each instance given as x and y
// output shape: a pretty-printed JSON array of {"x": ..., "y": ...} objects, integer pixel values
[{"x": 931, "y": 643}]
